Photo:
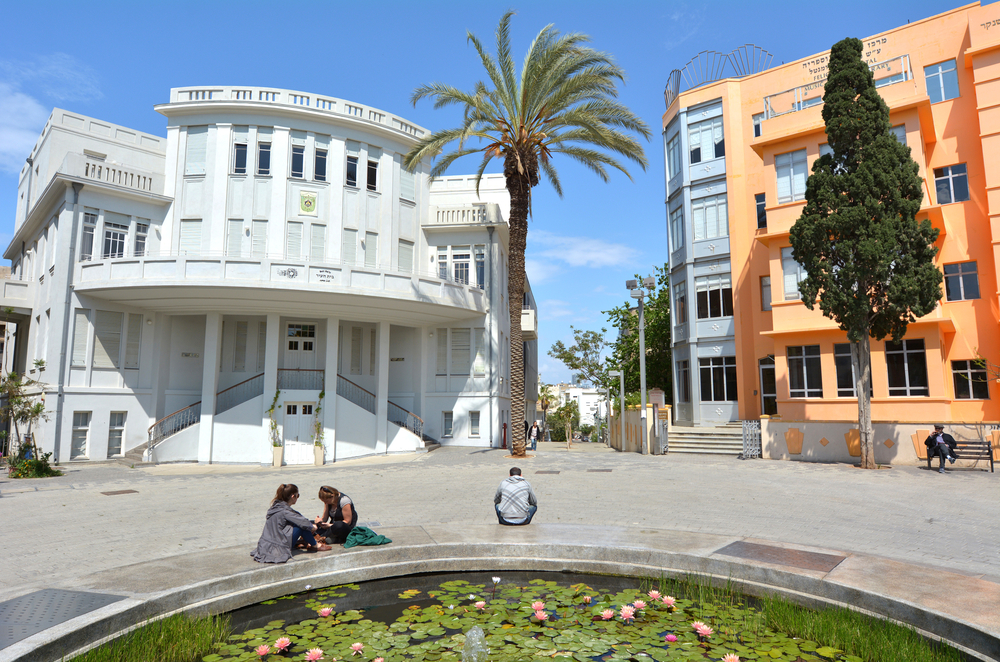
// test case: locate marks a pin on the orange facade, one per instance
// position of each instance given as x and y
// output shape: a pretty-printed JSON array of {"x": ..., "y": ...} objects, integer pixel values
[{"x": 941, "y": 80}]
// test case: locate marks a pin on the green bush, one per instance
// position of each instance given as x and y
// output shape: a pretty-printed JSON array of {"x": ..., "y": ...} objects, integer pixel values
[{"x": 22, "y": 467}]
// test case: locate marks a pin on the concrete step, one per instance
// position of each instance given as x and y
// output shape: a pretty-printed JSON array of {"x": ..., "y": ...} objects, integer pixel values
[{"x": 712, "y": 441}]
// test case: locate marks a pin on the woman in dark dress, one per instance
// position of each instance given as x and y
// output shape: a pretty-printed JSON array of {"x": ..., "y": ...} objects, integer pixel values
[
  {"x": 339, "y": 515},
  {"x": 284, "y": 529}
]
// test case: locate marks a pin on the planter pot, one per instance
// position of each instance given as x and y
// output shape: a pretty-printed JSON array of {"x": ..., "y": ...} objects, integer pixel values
[
  {"x": 279, "y": 455},
  {"x": 319, "y": 455}
]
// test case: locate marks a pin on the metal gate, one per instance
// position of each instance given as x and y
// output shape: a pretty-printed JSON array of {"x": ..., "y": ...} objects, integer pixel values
[{"x": 751, "y": 439}]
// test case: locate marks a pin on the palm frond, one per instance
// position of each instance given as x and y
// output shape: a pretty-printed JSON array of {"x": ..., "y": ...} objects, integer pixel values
[{"x": 551, "y": 175}]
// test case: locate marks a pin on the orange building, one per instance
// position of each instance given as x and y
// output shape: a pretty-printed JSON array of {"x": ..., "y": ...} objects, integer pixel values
[{"x": 740, "y": 143}]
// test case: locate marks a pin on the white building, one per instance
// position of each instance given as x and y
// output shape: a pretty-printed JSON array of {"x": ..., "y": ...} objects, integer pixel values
[
  {"x": 269, "y": 248},
  {"x": 589, "y": 401}
]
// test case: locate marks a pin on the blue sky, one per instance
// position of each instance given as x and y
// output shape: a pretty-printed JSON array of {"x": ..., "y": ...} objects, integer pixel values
[{"x": 115, "y": 60}]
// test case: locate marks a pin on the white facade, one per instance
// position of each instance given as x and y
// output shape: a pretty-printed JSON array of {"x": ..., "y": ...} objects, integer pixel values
[{"x": 270, "y": 248}]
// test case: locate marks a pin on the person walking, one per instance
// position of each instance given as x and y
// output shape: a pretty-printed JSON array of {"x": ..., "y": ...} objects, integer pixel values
[
  {"x": 515, "y": 501},
  {"x": 942, "y": 444},
  {"x": 533, "y": 435}
]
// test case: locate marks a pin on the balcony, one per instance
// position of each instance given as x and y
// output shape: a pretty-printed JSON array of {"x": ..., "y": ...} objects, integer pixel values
[
  {"x": 112, "y": 174},
  {"x": 16, "y": 293},
  {"x": 450, "y": 217},
  {"x": 529, "y": 324}
]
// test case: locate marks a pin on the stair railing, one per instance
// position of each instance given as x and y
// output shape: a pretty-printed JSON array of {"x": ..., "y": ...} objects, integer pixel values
[
  {"x": 173, "y": 423},
  {"x": 405, "y": 419},
  {"x": 235, "y": 395},
  {"x": 354, "y": 393}
]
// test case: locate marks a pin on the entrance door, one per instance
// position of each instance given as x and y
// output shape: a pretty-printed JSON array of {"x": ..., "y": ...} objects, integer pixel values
[
  {"x": 300, "y": 347},
  {"x": 768, "y": 387},
  {"x": 297, "y": 432}
]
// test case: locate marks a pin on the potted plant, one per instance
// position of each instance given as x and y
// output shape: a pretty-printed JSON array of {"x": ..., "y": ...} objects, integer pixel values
[
  {"x": 277, "y": 447},
  {"x": 319, "y": 451}
]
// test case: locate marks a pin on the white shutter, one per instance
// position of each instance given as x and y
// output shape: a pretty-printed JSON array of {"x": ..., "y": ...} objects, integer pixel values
[
  {"x": 134, "y": 340},
  {"x": 81, "y": 329},
  {"x": 900, "y": 133},
  {"x": 259, "y": 239},
  {"x": 406, "y": 256},
  {"x": 480, "y": 365},
  {"x": 790, "y": 274},
  {"x": 322, "y": 142},
  {"x": 460, "y": 351},
  {"x": 234, "y": 238},
  {"x": 317, "y": 243},
  {"x": 191, "y": 237},
  {"x": 293, "y": 241},
  {"x": 371, "y": 353},
  {"x": 783, "y": 166},
  {"x": 240, "y": 344},
  {"x": 197, "y": 150},
  {"x": 799, "y": 174},
  {"x": 261, "y": 345},
  {"x": 698, "y": 219},
  {"x": 407, "y": 185},
  {"x": 722, "y": 216},
  {"x": 371, "y": 250},
  {"x": 374, "y": 153},
  {"x": 442, "y": 351},
  {"x": 298, "y": 137},
  {"x": 107, "y": 339},
  {"x": 355, "y": 350},
  {"x": 349, "y": 246}
]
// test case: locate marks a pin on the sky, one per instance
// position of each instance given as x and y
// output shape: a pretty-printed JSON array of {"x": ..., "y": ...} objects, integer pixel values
[{"x": 116, "y": 60}]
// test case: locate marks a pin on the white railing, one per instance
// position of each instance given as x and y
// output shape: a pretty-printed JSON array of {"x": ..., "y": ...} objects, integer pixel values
[
  {"x": 296, "y": 379},
  {"x": 78, "y": 165},
  {"x": 889, "y": 72},
  {"x": 472, "y": 214},
  {"x": 240, "y": 393},
  {"x": 295, "y": 99}
]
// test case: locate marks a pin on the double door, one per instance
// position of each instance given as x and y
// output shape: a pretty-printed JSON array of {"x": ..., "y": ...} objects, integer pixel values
[{"x": 297, "y": 428}]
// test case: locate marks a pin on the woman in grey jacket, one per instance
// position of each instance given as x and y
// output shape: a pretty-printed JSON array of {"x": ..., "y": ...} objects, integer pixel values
[{"x": 284, "y": 528}]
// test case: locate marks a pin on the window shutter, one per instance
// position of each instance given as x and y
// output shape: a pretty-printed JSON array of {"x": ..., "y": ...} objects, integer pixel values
[
  {"x": 197, "y": 150},
  {"x": 799, "y": 174},
  {"x": 900, "y": 133},
  {"x": 317, "y": 243},
  {"x": 191, "y": 237},
  {"x": 480, "y": 365},
  {"x": 698, "y": 218},
  {"x": 108, "y": 339},
  {"x": 234, "y": 238},
  {"x": 783, "y": 166},
  {"x": 371, "y": 354},
  {"x": 293, "y": 244},
  {"x": 353, "y": 147},
  {"x": 355, "y": 350},
  {"x": 349, "y": 246},
  {"x": 322, "y": 142},
  {"x": 460, "y": 353},
  {"x": 240, "y": 344},
  {"x": 81, "y": 329},
  {"x": 407, "y": 185},
  {"x": 241, "y": 134},
  {"x": 261, "y": 345},
  {"x": 442, "y": 351},
  {"x": 134, "y": 340},
  {"x": 374, "y": 153},
  {"x": 371, "y": 250},
  {"x": 406, "y": 256},
  {"x": 299, "y": 138},
  {"x": 259, "y": 239}
]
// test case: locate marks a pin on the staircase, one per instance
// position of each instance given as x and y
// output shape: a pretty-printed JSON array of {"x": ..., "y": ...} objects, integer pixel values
[{"x": 723, "y": 440}]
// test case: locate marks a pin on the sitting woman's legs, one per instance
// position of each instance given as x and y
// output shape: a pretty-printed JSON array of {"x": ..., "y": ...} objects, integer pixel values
[{"x": 304, "y": 535}]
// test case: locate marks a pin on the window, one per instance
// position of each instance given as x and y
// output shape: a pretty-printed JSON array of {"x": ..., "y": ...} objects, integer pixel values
[
  {"x": 765, "y": 293},
  {"x": 190, "y": 236},
  {"x": 405, "y": 256},
  {"x": 133, "y": 341},
  {"x": 971, "y": 380},
  {"x": 352, "y": 171},
  {"x": 355, "y": 350},
  {"x": 234, "y": 237},
  {"x": 473, "y": 423},
  {"x": 442, "y": 352},
  {"x": 317, "y": 242},
  {"x": 461, "y": 355},
  {"x": 298, "y": 161},
  {"x": 479, "y": 365},
  {"x": 792, "y": 273},
  {"x": 791, "y": 168},
  {"x": 264, "y": 153},
  {"x": 372, "y": 181},
  {"x": 371, "y": 250},
  {"x": 714, "y": 295},
  {"x": 942, "y": 81},
  {"x": 460, "y": 264},
  {"x": 443, "y": 262},
  {"x": 758, "y": 121},
  {"x": 705, "y": 140},
  {"x": 319, "y": 169},
  {"x": 448, "y": 423},
  {"x": 349, "y": 246},
  {"x": 197, "y": 150},
  {"x": 951, "y": 184},
  {"x": 718, "y": 379},
  {"x": 480, "y": 252},
  {"x": 87, "y": 244},
  {"x": 961, "y": 281},
  {"x": 805, "y": 375},
  {"x": 258, "y": 245},
  {"x": 241, "y": 139},
  {"x": 107, "y": 339},
  {"x": 761, "y": 202},
  {"x": 900, "y": 133},
  {"x": 674, "y": 164},
  {"x": 680, "y": 302},
  {"x": 907, "y": 364},
  {"x": 407, "y": 185},
  {"x": 845, "y": 371},
  {"x": 710, "y": 217},
  {"x": 81, "y": 333},
  {"x": 293, "y": 240},
  {"x": 676, "y": 228},
  {"x": 240, "y": 346},
  {"x": 115, "y": 236},
  {"x": 116, "y": 430},
  {"x": 81, "y": 435},
  {"x": 683, "y": 381},
  {"x": 141, "y": 233}
]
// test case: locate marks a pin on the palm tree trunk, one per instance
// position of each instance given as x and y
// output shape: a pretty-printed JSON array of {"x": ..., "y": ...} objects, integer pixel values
[{"x": 519, "y": 187}]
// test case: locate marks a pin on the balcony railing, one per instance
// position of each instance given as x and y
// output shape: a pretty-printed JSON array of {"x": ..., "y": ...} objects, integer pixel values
[
  {"x": 114, "y": 174},
  {"x": 889, "y": 72},
  {"x": 293, "y": 379},
  {"x": 472, "y": 214}
]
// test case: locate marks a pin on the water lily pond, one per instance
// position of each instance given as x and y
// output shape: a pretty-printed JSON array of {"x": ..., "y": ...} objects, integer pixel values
[{"x": 521, "y": 619}]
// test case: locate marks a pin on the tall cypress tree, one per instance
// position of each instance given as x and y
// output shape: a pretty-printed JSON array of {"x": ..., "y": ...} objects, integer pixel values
[{"x": 869, "y": 263}]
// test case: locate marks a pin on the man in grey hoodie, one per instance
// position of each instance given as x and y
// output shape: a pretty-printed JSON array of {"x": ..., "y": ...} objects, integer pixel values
[{"x": 515, "y": 501}]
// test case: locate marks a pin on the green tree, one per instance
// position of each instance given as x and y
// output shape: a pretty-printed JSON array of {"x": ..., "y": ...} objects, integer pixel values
[
  {"x": 625, "y": 350},
  {"x": 567, "y": 417},
  {"x": 870, "y": 264},
  {"x": 24, "y": 406},
  {"x": 584, "y": 356},
  {"x": 563, "y": 101}
]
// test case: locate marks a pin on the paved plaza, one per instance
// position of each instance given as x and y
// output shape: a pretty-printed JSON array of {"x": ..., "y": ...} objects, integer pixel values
[{"x": 132, "y": 530}]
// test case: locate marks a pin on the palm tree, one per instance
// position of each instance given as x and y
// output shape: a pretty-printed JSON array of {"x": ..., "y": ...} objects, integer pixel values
[{"x": 563, "y": 102}]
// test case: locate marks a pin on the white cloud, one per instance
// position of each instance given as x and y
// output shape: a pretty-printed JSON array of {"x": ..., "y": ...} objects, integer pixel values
[
  {"x": 554, "y": 309},
  {"x": 539, "y": 271},
  {"x": 22, "y": 118},
  {"x": 579, "y": 251},
  {"x": 686, "y": 23}
]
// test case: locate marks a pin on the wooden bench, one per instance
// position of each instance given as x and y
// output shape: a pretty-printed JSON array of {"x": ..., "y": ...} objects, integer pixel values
[{"x": 969, "y": 450}]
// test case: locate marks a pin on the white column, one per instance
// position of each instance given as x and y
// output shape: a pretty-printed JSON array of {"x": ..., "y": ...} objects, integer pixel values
[
  {"x": 382, "y": 392},
  {"x": 209, "y": 384},
  {"x": 271, "y": 348},
  {"x": 330, "y": 386}
]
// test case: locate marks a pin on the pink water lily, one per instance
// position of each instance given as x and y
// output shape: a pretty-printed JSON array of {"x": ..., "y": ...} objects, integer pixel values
[
  {"x": 697, "y": 625},
  {"x": 654, "y": 595},
  {"x": 704, "y": 631},
  {"x": 587, "y": 599},
  {"x": 669, "y": 601},
  {"x": 325, "y": 611},
  {"x": 357, "y": 647},
  {"x": 262, "y": 650},
  {"x": 480, "y": 605},
  {"x": 541, "y": 615},
  {"x": 537, "y": 605},
  {"x": 627, "y": 613},
  {"x": 730, "y": 657},
  {"x": 282, "y": 643},
  {"x": 314, "y": 654},
  {"x": 671, "y": 638},
  {"x": 379, "y": 659},
  {"x": 608, "y": 614},
  {"x": 639, "y": 605}
]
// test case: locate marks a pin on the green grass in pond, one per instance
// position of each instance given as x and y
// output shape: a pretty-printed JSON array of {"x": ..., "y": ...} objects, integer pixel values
[{"x": 177, "y": 638}]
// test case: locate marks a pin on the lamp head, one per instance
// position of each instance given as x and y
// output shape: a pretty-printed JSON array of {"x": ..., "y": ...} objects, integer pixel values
[
  {"x": 631, "y": 284},
  {"x": 637, "y": 293},
  {"x": 614, "y": 373},
  {"x": 649, "y": 282}
]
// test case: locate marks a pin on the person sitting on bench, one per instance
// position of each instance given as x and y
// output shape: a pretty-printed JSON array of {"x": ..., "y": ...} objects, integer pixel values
[{"x": 942, "y": 444}]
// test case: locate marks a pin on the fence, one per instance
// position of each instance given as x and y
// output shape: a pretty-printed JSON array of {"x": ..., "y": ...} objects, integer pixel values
[
  {"x": 751, "y": 439},
  {"x": 294, "y": 379}
]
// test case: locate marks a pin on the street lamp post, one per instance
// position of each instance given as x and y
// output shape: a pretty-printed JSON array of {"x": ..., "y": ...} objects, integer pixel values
[
  {"x": 621, "y": 403},
  {"x": 639, "y": 293}
]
